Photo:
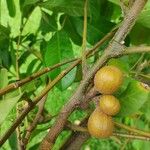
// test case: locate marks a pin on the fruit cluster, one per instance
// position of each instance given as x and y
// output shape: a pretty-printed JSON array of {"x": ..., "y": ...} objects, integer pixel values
[{"x": 107, "y": 81}]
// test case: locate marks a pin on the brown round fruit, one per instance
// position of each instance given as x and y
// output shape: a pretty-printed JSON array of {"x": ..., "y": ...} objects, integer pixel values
[
  {"x": 108, "y": 79},
  {"x": 100, "y": 125},
  {"x": 109, "y": 104}
]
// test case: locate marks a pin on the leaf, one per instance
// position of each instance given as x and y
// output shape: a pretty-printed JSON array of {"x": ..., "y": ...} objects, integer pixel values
[
  {"x": 78, "y": 73},
  {"x": 33, "y": 22},
  {"x": 140, "y": 35},
  {"x": 70, "y": 28},
  {"x": 48, "y": 22},
  {"x": 133, "y": 98},
  {"x": 144, "y": 16},
  {"x": 13, "y": 141},
  {"x": 11, "y": 7},
  {"x": 6, "y": 106},
  {"x": 94, "y": 33},
  {"x": 70, "y": 7},
  {"x": 29, "y": 2},
  {"x": 120, "y": 63},
  {"x": 146, "y": 109},
  {"x": 58, "y": 49},
  {"x": 4, "y": 46},
  {"x": 3, "y": 78}
]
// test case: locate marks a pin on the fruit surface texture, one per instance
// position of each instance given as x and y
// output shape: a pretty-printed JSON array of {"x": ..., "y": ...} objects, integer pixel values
[
  {"x": 109, "y": 104},
  {"x": 100, "y": 125},
  {"x": 108, "y": 79}
]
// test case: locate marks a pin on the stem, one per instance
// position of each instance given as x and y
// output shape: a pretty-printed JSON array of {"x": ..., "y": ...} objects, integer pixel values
[
  {"x": 84, "y": 64},
  {"x": 33, "y": 104},
  {"x": 131, "y": 136},
  {"x": 134, "y": 130}
]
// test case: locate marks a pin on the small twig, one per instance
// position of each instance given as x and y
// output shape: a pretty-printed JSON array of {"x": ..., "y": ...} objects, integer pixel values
[
  {"x": 131, "y": 136},
  {"x": 33, "y": 125},
  {"x": 84, "y": 64},
  {"x": 138, "y": 61},
  {"x": 136, "y": 49},
  {"x": 124, "y": 144},
  {"x": 133, "y": 130},
  {"x": 17, "y": 84},
  {"x": 124, "y": 7},
  {"x": 32, "y": 77},
  {"x": 36, "y": 100}
]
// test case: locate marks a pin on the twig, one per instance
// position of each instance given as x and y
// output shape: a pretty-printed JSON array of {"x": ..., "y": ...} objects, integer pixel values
[
  {"x": 136, "y": 49},
  {"x": 124, "y": 144},
  {"x": 123, "y": 7},
  {"x": 134, "y": 130},
  {"x": 32, "y": 77},
  {"x": 114, "y": 49},
  {"x": 131, "y": 136},
  {"x": 33, "y": 125},
  {"x": 33, "y": 104},
  {"x": 44, "y": 92},
  {"x": 48, "y": 69},
  {"x": 84, "y": 64}
]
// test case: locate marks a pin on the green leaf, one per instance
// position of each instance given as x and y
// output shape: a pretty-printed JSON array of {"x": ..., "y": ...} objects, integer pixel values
[
  {"x": 13, "y": 141},
  {"x": 58, "y": 49},
  {"x": 146, "y": 109},
  {"x": 120, "y": 63},
  {"x": 30, "y": 2},
  {"x": 144, "y": 17},
  {"x": 48, "y": 22},
  {"x": 3, "y": 78},
  {"x": 140, "y": 35},
  {"x": 70, "y": 7},
  {"x": 33, "y": 22},
  {"x": 70, "y": 28},
  {"x": 11, "y": 7},
  {"x": 133, "y": 98},
  {"x": 6, "y": 106},
  {"x": 94, "y": 32}
]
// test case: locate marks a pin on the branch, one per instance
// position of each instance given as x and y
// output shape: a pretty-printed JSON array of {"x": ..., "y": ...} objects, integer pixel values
[
  {"x": 49, "y": 86},
  {"x": 78, "y": 141},
  {"x": 17, "y": 84},
  {"x": 88, "y": 52},
  {"x": 131, "y": 136},
  {"x": 84, "y": 64},
  {"x": 33, "y": 104},
  {"x": 33, "y": 125},
  {"x": 131, "y": 129},
  {"x": 113, "y": 49},
  {"x": 137, "y": 49}
]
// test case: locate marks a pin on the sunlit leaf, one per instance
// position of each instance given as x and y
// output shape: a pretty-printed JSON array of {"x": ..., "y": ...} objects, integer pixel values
[
  {"x": 6, "y": 106},
  {"x": 58, "y": 49},
  {"x": 133, "y": 98}
]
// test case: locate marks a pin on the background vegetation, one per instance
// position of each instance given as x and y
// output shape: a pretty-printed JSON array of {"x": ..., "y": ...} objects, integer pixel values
[{"x": 35, "y": 34}]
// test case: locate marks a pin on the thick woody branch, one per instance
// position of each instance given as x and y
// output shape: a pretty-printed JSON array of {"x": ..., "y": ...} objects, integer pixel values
[{"x": 114, "y": 49}]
